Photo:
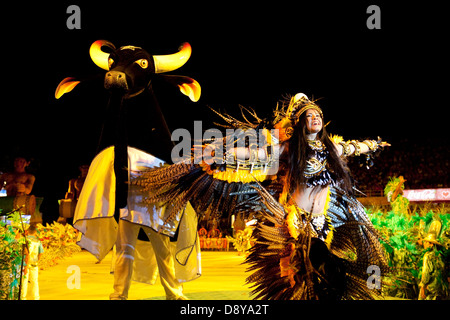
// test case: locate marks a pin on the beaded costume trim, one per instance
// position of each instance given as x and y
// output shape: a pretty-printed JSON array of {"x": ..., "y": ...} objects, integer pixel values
[{"x": 316, "y": 170}]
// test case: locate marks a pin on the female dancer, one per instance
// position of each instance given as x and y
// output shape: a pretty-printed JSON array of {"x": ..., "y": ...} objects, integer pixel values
[{"x": 314, "y": 240}]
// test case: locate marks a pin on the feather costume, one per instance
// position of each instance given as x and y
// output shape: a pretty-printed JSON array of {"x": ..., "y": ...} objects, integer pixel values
[{"x": 297, "y": 255}]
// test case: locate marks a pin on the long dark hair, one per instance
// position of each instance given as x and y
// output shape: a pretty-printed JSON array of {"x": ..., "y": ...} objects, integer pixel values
[{"x": 298, "y": 153}]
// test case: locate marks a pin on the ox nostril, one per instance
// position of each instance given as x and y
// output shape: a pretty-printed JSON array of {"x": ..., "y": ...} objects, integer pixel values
[{"x": 116, "y": 79}]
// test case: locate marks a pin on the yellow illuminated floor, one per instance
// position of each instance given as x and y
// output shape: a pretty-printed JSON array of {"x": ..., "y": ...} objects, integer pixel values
[{"x": 223, "y": 278}]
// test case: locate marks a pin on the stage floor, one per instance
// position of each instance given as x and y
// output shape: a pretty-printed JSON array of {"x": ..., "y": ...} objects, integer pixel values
[{"x": 223, "y": 278}]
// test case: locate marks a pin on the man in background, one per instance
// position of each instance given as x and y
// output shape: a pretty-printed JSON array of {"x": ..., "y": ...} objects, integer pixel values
[{"x": 19, "y": 182}]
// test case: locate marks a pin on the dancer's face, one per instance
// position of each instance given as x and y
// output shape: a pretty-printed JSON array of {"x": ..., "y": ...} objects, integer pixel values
[{"x": 313, "y": 121}]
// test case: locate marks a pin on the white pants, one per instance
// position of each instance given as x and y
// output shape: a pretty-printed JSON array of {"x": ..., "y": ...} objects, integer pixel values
[
  {"x": 125, "y": 249},
  {"x": 32, "y": 276}
]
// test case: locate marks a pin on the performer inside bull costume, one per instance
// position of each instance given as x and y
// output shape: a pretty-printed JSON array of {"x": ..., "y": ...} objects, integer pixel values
[
  {"x": 109, "y": 210},
  {"x": 313, "y": 238}
]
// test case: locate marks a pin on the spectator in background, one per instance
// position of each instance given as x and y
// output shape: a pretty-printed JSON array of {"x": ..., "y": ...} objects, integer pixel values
[
  {"x": 75, "y": 185},
  {"x": 19, "y": 182},
  {"x": 410, "y": 159},
  {"x": 31, "y": 271},
  {"x": 67, "y": 206}
]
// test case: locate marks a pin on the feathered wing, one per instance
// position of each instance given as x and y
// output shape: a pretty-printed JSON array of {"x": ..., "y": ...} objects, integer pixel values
[
  {"x": 214, "y": 189},
  {"x": 291, "y": 264},
  {"x": 276, "y": 264},
  {"x": 357, "y": 241},
  {"x": 182, "y": 182}
]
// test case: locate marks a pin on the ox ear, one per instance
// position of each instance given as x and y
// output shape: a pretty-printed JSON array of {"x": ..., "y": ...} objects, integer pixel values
[
  {"x": 66, "y": 86},
  {"x": 188, "y": 86}
]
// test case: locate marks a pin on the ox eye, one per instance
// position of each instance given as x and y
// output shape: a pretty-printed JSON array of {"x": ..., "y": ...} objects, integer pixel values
[
  {"x": 110, "y": 62},
  {"x": 143, "y": 63}
]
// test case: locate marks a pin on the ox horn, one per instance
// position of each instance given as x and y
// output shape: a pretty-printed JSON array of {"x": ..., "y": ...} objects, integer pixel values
[
  {"x": 99, "y": 57},
  {"x": 174, "y": 61}
]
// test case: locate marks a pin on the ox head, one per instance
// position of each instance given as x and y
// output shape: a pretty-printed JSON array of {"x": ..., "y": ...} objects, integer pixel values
[{"x": 130, "y": 70}]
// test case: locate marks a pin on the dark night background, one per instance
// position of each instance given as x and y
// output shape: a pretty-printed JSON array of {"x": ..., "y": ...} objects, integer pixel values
[{"x": 388, "y": 82}]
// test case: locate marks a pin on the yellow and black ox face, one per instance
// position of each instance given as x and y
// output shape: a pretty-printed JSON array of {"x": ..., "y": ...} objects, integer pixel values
[{"x": 130, "y": 70}]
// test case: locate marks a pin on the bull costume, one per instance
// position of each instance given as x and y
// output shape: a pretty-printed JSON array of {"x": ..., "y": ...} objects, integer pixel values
[
  {"x": 108, "y": 211},
  {"x": 313, "y": 238}
]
